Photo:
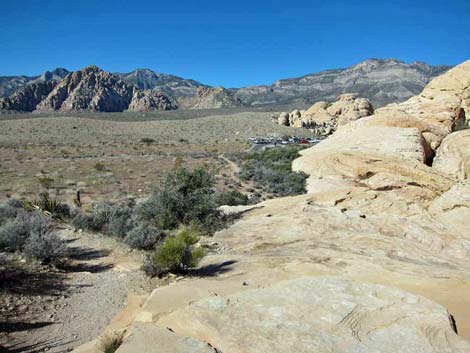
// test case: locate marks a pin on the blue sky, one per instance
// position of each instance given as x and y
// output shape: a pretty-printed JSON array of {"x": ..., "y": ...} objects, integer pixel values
[{"x": 229, "y": 43}]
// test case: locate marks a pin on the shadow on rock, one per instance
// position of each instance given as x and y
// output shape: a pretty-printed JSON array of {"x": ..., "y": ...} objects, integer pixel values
[{"x": 215, "y": 269}]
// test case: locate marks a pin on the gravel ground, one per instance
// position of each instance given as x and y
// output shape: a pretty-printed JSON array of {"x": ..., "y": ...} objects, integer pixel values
[{"x": 76, "y": 304}]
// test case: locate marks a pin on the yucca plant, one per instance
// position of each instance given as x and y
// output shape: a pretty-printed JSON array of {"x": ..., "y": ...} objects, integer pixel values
[{"x": 48, "y": 205}]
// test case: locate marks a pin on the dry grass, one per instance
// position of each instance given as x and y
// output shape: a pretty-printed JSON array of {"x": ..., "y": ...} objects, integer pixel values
[{"x": 110, "y": 342}]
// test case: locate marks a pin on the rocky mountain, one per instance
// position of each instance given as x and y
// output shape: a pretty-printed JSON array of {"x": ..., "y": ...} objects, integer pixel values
[
  {"x": 211, "y": 98},
  {"x": 11, "y": 84},
  {"x": 92, "y": 89},
  {"x": 172, "y": 85},
  {"x": 380, "y": 81},
  {"x": 147, "y": 100},
  {"x": 27, "y": 98},
  {"x": 89, "y": 89}
]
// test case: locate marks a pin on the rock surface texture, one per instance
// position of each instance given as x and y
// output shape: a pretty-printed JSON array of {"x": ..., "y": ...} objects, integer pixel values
[
  {"x": 144, "y": 101},
  {"x": 26, "y": 99},
  {"x": 211, "y": 98},
  {"x": 89, "y": 89},
  {"x": 374, "y": 258}
]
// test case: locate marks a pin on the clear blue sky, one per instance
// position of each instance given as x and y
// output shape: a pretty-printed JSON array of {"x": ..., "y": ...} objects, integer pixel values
[{"x": 230, "y": 43}]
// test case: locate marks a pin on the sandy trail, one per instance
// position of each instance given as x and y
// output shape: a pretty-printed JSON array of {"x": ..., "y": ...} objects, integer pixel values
[{"x": 95, "y": 287}]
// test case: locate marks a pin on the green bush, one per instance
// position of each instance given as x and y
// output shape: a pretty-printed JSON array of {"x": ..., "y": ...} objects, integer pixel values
[
  {"x": 185, "y": 197},
  {"x": 271, "y": 171},
  {"x": 232, "y": 198},
  {"x": 177, "y": 253},
  {"x": 147, "y": 140}
]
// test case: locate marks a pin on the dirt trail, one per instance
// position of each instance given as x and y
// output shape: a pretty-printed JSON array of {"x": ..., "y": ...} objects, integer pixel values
[
  {"x": 93, "y": 289},
  {"x": 234, "y": 170}
]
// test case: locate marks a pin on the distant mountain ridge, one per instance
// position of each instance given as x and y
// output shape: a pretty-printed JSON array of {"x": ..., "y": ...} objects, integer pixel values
[
  {"x": 173, "y": 85},
  {"x": 11, "y": 84},
  {"x": 382, "y": 81}
]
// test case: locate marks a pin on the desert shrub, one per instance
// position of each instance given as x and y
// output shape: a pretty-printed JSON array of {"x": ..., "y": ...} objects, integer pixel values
[
  {"x": 49, "y": 205},
  {"x": 96, "y": 220},
  {"x": 81, "y": 221},
  {"x": 176, "y": 254},
  {"x": 120, "y": 221},
  {"x": 147, "y": 140},
  {"x": 232, "y": 198},
  {"x": 110, "y": 342},
  {"x": 113, "y": 219},
  {"x": 15, "y": 232},
  {"x": 47, "y": 247},
  {"x": 185, "y": 197},
  {"x": 143, "y": 237},
  {"x": 32, "y": 233},
  {"x": 271, "y": 171},
  {"x": 46, "y": 181},
  {"x": 10, "y": 210},
  {"x": 99, "y": 166}
]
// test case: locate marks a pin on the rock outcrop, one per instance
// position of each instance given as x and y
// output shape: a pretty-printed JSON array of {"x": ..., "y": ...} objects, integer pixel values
[
  {"x": 90, "y": 89},
  {"x": 26, "y": 99},
  {"x": 211, "y": 98},
  {"x": 144, "y": 101},
  {"x": 323, "y": 118},
  {"x": 374, "y": 258}
]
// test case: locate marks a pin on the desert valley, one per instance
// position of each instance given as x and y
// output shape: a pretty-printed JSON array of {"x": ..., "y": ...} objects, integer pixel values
[
  {"x": 144, "y": 212},
  {"x": 234, "y": 177}
]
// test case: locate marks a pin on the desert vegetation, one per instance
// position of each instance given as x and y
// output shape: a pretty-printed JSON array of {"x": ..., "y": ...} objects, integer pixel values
[
  {"x": 270, "y": 170},
  {"x": 169, "y": 223},
  {"x": 27, "y": 227}
]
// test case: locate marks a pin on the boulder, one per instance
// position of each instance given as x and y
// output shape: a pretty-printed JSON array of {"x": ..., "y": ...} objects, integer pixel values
[
  {"x": 348, "y": 107},
  {"x": 295, "y": 119},
  {"x": 453, "y": 155},
  {"x": 283, "y": 119}
]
